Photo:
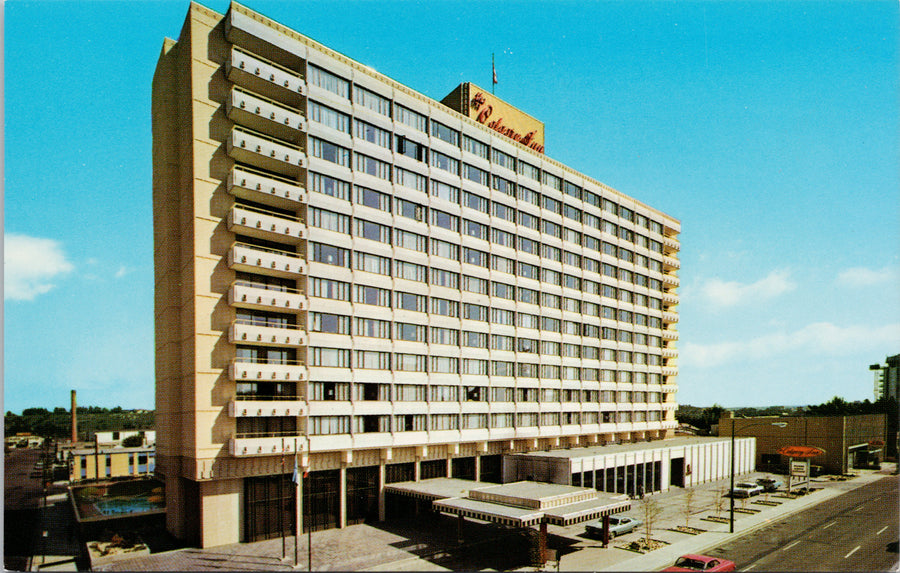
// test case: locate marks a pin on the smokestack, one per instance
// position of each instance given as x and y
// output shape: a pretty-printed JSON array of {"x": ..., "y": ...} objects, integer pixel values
[{"x": 74, "y": 419}]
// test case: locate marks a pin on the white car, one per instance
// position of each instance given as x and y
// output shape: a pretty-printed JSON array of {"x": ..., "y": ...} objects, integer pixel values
[{"x": 746, "y": 489}]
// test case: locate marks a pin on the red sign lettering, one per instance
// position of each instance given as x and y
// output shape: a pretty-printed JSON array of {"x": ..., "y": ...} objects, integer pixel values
[{"x": 801, "y": 451}]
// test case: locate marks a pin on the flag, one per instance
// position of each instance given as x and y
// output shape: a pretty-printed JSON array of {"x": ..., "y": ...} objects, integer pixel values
[
  {"x": 493, "y": 69},
  {"x": 296, "y": 477}
]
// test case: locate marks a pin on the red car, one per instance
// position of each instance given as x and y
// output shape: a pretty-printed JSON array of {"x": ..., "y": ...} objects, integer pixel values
[{"x": 701, "y": 563}]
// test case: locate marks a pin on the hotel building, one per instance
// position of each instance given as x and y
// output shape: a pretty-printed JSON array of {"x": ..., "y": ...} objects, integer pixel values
[{"x": 390, "y": 287}]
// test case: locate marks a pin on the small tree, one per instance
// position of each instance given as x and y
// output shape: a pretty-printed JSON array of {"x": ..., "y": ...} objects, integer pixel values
[
  {"x": 688, "y": 506},
  {"x": 720, "y": 500},
  {"x": 133, "y": 441},
  {"x": 650, "y": 510}
]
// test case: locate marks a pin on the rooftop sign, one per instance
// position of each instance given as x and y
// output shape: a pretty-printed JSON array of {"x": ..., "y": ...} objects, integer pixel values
[
  {"x": 801, "y": 451},
  {"x": 490, "y": 111}
]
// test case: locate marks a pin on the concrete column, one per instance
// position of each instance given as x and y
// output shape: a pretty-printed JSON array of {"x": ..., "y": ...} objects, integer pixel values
[
  {"x": 477, "y": 466},
  {"x": 449, "y": 467},
  {"x": 542, "y": 542},
  {"x": 343, "y": 497},
  {"x": 381, "y": 475}
]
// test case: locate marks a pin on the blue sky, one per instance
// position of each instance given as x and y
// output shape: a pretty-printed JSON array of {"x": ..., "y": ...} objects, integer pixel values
[{"x": 770, "y": 129}]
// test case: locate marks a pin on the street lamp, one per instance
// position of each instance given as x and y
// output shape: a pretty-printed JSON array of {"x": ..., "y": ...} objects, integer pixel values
[{"x": 731, "y": 491}]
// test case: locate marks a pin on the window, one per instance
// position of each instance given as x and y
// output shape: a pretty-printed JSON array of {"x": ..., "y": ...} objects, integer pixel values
[
  {"x": 552, "y": 253},
  {"x": 372, "y": 295},
  {"x": 502, "y": 316},
  {"x": 330, "y": 186},
  {"x": 503, "y": 368},
  {"x": 550, "y": 276},
  {"x": 445, "y": 220},
  {"x": 550, "y": 348},
  {"x": 409, "y": 240},
  {"x": 552, "y": 229},
  {"x": 571, "y": 327},
  {"x": 528, "y": 271},
  {"x": 372, "y": 360},
  {"x": 527, "y": 245},
  {"x": 332, "y": 323},
  {"x": 329, "y": 425},
  {"x": 326, "y": 288},
  {"x": 527, "y": 370},
  {"x": 373, "y": 167},
  {"x": 590, "y": 352},
  {"x": 408, "y": 117},
  {"x": 410, "y": 271},
  {"x": 372, "y": 134},
  {"x": 527, "y": 420},
  {"x": 502, "y": 290},
  {"x": 474, "y": 339},
  {"x": 372, "y": 101},
  {"x": 372, "y": 263},
  {"x": 589, "y": 220},
  {"x": 571, "y": 350},
  {"x": 473, "y": 229},
  {"x": 572, "y": 190},
  {"x": 504, "y": 212},
  {"x": 444, "y": 307},
  {"x": 475, "y": 312},
  {"x": 475, "y": 366},
  {"x": 328, "y": 81},
  {"x": 410, "y": 363},
  {"x": 410, "y": 301},
  {"x": 503, "y": 342},
  {"x": 528, "y": 170},
  {"x": 504, "y": 186},
  {"x": 526, "y": 320},
  {"x": 572, "y": 282},
  {"x": 527, "y": 295},
  {"x": 330, "y": 255},
  {"x": 475, "y": 285},
  {"x": 527, "y": 345},
  {"x": 410, "y": 179},
  {"x": 475, "y": 174},
  {"x": 444, "y": 133},
  {"x": 550, "y": 324},
  {"x": 410, "y": 210},
  {"x": 328, "y": 391},
  {"x": 571, "y": 212},
  {"x": 330, "y": 357},
  {"x": 552, "y": 181},
  {"x": 475, "y": 147},
  {"x": 551, "y": 205},
  {"x": 329, "y": 117},
  {"x": 477, "y": 202},
  {"x": 410, "y": 422},
  {"x": 502, "y": 420},
  {"x": 372, "y": 328},
  {"x": 409, "y": 332},
  {"x": 550, "y": 371},
  {"x": 444, "y": 393},
  {"x": 373, "y": 199},
  {"x": 447, "y": 336},
  {"x": 591, "y": 198},
  {"x": 410, "y": 392},
  {"x": 444, "y": 162},
  {"x": 444, "y": 249},
  {"x": 503, "y": 238},
  {"x": 329, "y": 151},
  {"x": 529, "y": 196},
  {"x": 550, "y": 300},
  {"x": 475, "y": 257},
  {"x": 474, "y": 421},
  {"x": 443, "y": 191},
  {"x": 372, "y": 231},
  {"x": 440, "y": 277},
  {"x": 529, "y": 221}
]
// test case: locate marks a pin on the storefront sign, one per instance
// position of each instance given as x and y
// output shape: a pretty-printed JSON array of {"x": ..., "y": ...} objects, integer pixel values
[
  {"x": 801, "y": 451},
  {"x": 800, "y": 469}
]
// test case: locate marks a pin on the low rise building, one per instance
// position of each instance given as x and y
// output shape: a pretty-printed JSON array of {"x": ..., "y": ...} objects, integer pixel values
[{"x": 103, "y": 463}]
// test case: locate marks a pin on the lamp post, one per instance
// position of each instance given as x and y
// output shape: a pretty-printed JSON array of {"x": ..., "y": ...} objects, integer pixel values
[{"x": 731, "y": 491}]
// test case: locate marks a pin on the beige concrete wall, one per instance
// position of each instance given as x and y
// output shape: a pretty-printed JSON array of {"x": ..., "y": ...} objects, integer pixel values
[{"x": 220, "y": 512}]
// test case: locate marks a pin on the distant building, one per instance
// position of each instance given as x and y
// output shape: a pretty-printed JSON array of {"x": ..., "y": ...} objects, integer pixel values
[
  {"x": 887, "y": 378},
  {"x": 91, "y": 463},
  {"x": 848, "y": 441},
  {"x": 116, "y": 437}
]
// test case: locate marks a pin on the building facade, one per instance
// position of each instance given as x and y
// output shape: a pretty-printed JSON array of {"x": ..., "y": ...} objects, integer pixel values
[
  {"x": 357, "y": 275},
  {"x": 887, "y": 378}
]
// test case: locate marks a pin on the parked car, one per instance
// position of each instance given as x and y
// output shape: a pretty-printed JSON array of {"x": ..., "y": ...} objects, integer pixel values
[
  {"x": 746, "y": 489},
  {"x": 618, "y": 525},
  {"x": 692, "y": 562},
  {"x": 769, "y": 484}
]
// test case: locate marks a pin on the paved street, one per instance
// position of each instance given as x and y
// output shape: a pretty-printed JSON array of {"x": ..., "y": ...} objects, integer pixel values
[{"x": 857, "y": 531}]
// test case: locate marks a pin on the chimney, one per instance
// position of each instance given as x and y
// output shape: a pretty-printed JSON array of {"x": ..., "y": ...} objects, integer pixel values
[{"x": 74, "y": 419}]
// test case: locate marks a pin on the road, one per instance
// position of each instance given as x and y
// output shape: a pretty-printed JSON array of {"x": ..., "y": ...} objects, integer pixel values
[
  {"x": 22, "y": 494},
  {"x": 856, "y": 531}
]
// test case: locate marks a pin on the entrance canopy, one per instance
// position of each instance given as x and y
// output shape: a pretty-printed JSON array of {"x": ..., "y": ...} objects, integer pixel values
[{"x": 519, "y": 504}]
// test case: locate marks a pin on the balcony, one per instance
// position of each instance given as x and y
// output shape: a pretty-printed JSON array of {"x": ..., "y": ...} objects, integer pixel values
[
  {"x": 670, "y": 298},
  {"x": 274, "y": 406},
  {"x": 249, "y": 369},
  {"x": 264, "y": 115},
  {"x": 669, "y": 371},
  {"x": 248, "y": 295},
  {"x": 264, "y": 77},
  {"x": 247, "y": 332},
  {"x": 265, "y": 188},
  {"x": 265, "y": 152},
  {"x": 669, "y": 353},
  {"x": 670, "y": 335},
  {"x": 670, "y": 280},
  {"x": 263, "y": 224},
  {"x": 670, "y": 317},
  {"x": 265, "y": 445},
  {"x": 670, "y": 263},
  {"x": 254, "y": 259},
  {"x": 671, "y": 243}
]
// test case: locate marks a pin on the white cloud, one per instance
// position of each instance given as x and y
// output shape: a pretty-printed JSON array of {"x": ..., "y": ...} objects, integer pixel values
[
  {"x": 864, "y": 277},
  {"x": 721, "y": 293},
  {"x": 31, "y": 265},
  {"x": 123, "y": 270},
  {"x": 821, "y": 338}
]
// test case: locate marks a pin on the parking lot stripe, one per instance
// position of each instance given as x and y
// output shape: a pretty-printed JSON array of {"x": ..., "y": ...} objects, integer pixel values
[
  {"x": 749, "y": 568},
  {"x": 852, "y": 552},
  {"x": 791, "y": 545},
  {"x": 881, "y": 530},
  {"x": 829, "y": 525}
]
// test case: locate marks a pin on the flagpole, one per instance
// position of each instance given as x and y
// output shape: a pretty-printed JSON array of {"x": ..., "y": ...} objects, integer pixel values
[
  {"x": 298, "y": 508},
  {"x": 493, "y": 74}
]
